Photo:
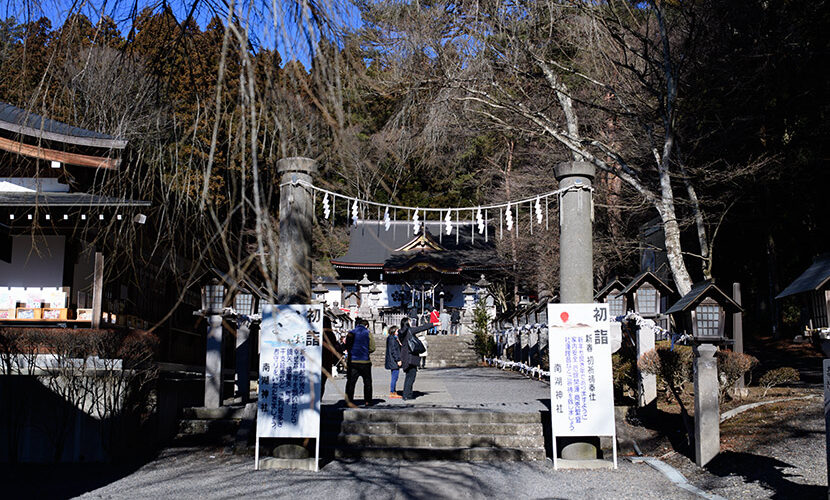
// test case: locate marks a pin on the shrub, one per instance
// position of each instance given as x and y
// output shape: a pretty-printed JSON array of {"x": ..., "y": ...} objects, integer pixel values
[
  {"x": 732, "y": 366},
  {"x": 626, "y": 378},
  {"x": 778, "y": 376},
  {"x": 674, "y": 367},
  {"x": 483, "y": 342}
]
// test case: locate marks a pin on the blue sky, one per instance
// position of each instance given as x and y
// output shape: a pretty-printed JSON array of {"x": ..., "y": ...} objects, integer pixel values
[{"x": 272, "y": 23}]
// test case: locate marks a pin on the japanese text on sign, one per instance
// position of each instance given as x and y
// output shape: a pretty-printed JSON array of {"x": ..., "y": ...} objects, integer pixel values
[{"x": 582, "y": 401}]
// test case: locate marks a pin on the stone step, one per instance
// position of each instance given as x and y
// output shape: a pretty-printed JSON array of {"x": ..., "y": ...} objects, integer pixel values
[
  {"x": 441, "y": 441},
  {"x": 459, "y": 429},
  {"x": 436, "y": 415},
  {"x": 448, "y": 453},
  {"x": 225, "y": 412}
]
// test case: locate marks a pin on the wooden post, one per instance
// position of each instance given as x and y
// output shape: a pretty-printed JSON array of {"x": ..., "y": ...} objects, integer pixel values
[
  {"x": 296, "y": 209},
  {"x": 97, "y": 289}
]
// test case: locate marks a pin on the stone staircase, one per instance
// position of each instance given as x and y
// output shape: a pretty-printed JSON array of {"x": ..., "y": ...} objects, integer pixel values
[
  {"x": 432, "y": 434},
  {"x": 443, "y": 351}
]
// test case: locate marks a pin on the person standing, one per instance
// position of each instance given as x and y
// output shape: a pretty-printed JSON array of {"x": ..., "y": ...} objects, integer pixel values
[
  {"x": 332, "y": 350},
  {"x": 455, "y": 319},
  {"x": 423, "y": 338},
  {"x": 360, "y": 343},
  {"x": 445, "y": 323},
  {"x": 409, "y": 361},
  {"x": 435, "y": 319},
  {"x": 393, "y": 360}
]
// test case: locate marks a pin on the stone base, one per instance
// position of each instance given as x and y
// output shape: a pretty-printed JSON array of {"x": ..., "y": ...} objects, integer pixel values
[
  {"x": 578, "y": 448},
  {"x": 584, "y": 464},
  {"x": 287, "y": 463}
]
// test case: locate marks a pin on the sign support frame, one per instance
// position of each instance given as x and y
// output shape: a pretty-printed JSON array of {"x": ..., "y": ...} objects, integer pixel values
[{"x": 276, "y": 335}]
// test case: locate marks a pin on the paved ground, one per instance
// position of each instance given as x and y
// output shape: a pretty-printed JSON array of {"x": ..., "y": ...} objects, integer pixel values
[{"x": 465, "y": 387}]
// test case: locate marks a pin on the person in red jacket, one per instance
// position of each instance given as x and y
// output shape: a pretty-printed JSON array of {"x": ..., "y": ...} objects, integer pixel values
[{"x": 435, "y": 319}]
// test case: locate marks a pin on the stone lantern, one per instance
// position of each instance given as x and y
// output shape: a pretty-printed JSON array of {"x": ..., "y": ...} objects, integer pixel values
[{"x": 702, "y": 312}]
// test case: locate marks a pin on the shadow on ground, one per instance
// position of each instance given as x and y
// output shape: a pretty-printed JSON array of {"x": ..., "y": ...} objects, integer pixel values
[
  {"x": 766, "y": 471},
  {"x": 63, "y": 480}
]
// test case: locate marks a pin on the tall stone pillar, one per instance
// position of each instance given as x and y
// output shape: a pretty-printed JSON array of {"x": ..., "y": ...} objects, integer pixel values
[
  {"x": 707, "y": 411},
  {"x": 576, "y": 264},
  {"x": 213, "y": 362},
  {"x": 576, "y": 257},
  {"x": 296, "y": 211}
]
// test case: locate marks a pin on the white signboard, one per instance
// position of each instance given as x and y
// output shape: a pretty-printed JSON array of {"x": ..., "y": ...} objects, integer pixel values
[
  {"x": 581, "y": 383},
  {"x": 289, "y": 373}
]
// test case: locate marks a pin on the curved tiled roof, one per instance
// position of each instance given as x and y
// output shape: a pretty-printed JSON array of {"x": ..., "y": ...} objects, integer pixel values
[{"x": 20, "y": 121}]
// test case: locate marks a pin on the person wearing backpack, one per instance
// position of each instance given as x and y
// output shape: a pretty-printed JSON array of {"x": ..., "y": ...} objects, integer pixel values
[
  {"x": 360, "y": 343},
  {"x": 409, "y": 359}
]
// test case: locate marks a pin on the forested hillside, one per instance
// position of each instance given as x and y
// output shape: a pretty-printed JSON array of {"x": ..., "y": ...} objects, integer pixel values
[{"x": 711, "y": 116}]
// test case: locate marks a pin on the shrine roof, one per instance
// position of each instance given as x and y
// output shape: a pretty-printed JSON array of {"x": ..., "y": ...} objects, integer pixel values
[
  {"x": 20, "y": 121},
  {"x": 814, "y": 278},
  {"x": 397, "y": 249},
  {"x": 45, "y": 199}
]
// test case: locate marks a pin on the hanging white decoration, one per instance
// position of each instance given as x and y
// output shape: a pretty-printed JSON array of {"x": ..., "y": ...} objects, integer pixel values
[
  {"x": 538, "y": 211},
  {"x": 508, "y": 218},
  {"x": 416, "y": 223},
  {"x": 480, "y": 221},
  {"x": 386, "y": 220},
  {"x": 448, "y": 222},
  {"x": 355, "y": 213},
  {"x": 326, "y": 207}
]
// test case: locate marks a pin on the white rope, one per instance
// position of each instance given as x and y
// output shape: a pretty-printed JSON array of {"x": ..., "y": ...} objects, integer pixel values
[{"x": 471, "y": 209}]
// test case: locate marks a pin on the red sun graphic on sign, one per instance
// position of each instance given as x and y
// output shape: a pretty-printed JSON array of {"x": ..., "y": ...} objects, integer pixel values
[{"x": 564, "y": 317}]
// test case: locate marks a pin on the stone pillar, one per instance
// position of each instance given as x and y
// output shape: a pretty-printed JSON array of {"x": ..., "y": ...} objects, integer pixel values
[
  {"x": 576, "y": 271},
  {"x": 296, "y": 211},
  {"x": 738, "y": 335},
  {"x": 576, "y": 263},
  {"x": 213, "y": 362},
  {"x": 97, "y": 289},
  {"x": 243, "y": 359},
  {"x": 707, "y": 411},
  {"x": 647, "y": 391}
]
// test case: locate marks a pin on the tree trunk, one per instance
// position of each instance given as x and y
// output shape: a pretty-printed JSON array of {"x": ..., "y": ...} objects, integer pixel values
[{"x": 674, "y": 254}]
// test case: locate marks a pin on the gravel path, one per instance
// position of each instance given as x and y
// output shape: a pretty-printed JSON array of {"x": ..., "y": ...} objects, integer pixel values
[
  {"x": 187, "y": 473},
  {"x": 782, "y": 457}
]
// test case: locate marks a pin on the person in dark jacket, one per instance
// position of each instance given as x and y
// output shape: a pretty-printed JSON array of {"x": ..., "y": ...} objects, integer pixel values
[
  {"x": 360, "y": 343},
  {"x": 393, "y": 360},
  {"x": 332, "y": 350},
  {"x": 409, "y": 361}
]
